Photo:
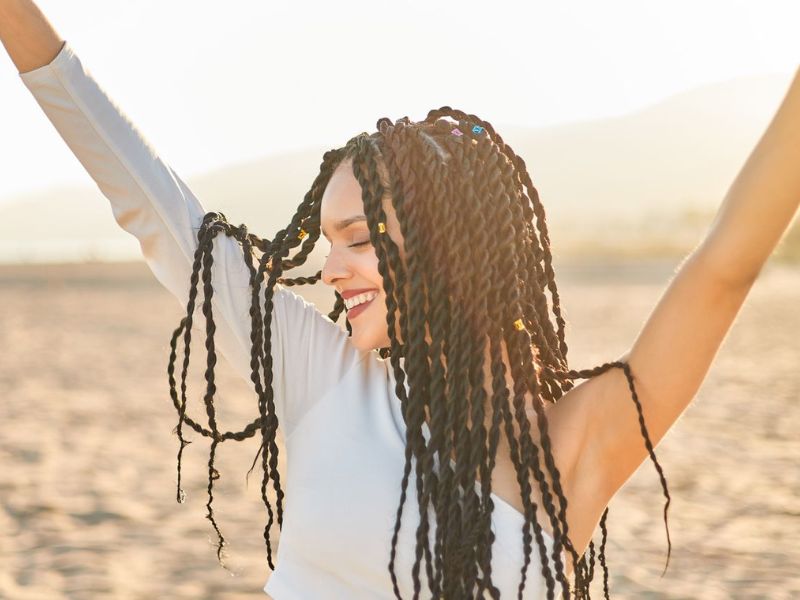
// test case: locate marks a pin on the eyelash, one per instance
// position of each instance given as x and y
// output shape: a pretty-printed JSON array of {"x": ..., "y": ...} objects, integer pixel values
[{"x": 353, "y": 246}]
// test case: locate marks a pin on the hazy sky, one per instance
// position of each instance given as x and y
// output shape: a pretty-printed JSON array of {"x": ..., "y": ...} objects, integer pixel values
[{"x": 212, "y": 83}]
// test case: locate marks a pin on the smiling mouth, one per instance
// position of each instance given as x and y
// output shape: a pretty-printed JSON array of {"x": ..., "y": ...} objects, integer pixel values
[{"x": 362, "y": 300}]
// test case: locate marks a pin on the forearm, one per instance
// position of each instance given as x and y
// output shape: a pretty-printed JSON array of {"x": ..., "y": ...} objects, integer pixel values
[
  {"x": 762, "y": 200},
  {"x": 29, "y": 38}
]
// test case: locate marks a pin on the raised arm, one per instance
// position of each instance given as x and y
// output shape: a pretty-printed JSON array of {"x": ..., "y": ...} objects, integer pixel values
[
  {"x": 150, "y": 201},
  {"x": 147, "y": 198},
  {"x": 29, "y": 38},
  {"x": 678, "y": 342}
]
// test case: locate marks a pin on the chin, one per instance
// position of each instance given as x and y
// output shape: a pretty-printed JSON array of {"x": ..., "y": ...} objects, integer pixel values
[{"x": 364, "y": 341}]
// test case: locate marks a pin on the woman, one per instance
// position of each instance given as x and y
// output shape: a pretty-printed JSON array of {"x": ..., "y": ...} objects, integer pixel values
[{"x": 439, "y": 253}]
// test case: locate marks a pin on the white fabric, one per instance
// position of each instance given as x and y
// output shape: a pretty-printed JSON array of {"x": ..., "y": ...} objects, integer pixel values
[{"x": 336, "y": 405}]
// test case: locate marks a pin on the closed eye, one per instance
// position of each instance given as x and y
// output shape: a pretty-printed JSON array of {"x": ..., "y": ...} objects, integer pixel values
[{"x": 353, "y": 245}]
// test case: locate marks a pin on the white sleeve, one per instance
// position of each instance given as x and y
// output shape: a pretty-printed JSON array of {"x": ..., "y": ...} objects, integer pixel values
[{"x": 149, "y": 200}]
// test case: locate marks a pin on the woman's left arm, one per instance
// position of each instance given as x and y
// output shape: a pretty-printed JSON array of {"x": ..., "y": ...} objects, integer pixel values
[{"x": 677, "y": 344}]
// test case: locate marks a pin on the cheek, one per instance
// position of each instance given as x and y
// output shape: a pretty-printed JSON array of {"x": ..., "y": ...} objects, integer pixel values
[
  {"x": 370, "y": 268},
  {"x": 376, "y": 274}
]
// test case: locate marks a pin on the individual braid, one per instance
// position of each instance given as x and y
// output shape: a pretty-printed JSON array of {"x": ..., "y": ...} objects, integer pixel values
[
  {"x": 603, "y": 552},
  {"x": 211, "y": 388}
]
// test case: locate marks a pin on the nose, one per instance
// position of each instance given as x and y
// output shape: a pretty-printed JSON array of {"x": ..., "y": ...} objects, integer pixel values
[{"x": 334, "y": 268}]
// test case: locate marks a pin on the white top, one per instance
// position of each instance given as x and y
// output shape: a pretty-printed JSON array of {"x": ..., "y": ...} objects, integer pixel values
[{"x": 336, "y": 405}]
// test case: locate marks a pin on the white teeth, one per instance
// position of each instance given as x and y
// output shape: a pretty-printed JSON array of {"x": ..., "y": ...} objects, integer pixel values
[{"x": 360, "y": 299}]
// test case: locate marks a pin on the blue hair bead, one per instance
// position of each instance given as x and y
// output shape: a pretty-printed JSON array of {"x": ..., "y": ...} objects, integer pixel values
[{"x": 477, "y": 129}]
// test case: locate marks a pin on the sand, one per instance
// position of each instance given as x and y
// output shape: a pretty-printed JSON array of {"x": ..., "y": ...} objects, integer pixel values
[{"x": 87, "y": 485}]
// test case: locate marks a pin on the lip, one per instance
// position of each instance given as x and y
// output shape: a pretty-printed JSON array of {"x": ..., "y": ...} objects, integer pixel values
[{"x": 350, "y": 293}]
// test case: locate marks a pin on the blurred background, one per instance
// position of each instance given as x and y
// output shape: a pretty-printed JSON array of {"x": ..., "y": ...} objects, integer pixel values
[{"x": 633, "y": 119}]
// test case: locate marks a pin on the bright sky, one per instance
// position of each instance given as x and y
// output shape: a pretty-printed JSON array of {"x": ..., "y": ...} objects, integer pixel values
[{"x": 212, "y": 83}]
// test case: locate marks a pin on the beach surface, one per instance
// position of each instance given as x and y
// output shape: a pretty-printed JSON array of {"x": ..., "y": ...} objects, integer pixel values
[{"x": 87, "y": 488}]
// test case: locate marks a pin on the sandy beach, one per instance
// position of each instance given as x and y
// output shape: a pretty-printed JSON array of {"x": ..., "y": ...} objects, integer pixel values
[{"x": 87, "y": 488}]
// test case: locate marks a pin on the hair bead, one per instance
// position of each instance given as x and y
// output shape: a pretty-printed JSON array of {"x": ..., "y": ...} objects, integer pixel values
[
  {"x": 303, "y": 233},
  {"x": 457, "y": 132},
  {"x": 519, "y": 325},
  {"x": 477, "y": 129},
  {"x": 382, "y": 227}
]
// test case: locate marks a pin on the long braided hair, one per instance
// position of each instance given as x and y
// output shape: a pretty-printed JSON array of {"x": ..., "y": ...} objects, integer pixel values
[{"x": 478, "y": 265}]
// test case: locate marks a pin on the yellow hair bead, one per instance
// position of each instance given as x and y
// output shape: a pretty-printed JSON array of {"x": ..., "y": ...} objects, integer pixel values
[
  {"x": 519, "y": 325},
  {"x": 382, "y": 227},
  {"x": 303, "y": 233}
]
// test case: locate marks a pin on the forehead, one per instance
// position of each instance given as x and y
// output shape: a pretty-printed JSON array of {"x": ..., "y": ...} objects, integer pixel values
[{"x": 341, "y": 198}]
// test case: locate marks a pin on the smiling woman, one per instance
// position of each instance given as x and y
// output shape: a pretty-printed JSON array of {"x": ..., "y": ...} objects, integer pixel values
[
  {"x": 409, "y": 212},
  {"x": 454, "y": 359}
]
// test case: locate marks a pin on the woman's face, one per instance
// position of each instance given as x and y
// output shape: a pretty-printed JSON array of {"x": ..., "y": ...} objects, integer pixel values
[{"x": 352, "y": 265}]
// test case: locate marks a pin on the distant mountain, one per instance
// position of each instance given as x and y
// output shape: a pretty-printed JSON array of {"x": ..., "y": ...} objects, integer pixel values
[
  {"x": 75, "y": 222},
  {"x": 650, "y": 180},
  {"x": 680, "y": 153}
]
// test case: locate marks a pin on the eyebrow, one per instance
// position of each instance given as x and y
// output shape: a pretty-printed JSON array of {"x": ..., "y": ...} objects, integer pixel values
[{"x": 344, "y": 223}]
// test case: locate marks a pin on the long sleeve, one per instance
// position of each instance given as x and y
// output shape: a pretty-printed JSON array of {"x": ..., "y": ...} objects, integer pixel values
[{"x": 152, "y": 203}]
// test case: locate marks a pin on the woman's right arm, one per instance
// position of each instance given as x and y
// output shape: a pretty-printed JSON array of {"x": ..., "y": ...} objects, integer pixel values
[
  {"x": 150, "y": 201},
  {"x": 29, "y": 38},
  {"x": 147, "y": 198}
]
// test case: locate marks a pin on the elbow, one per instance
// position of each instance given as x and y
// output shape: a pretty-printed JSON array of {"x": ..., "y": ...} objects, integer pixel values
[{"x": 724, "y": 268}]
